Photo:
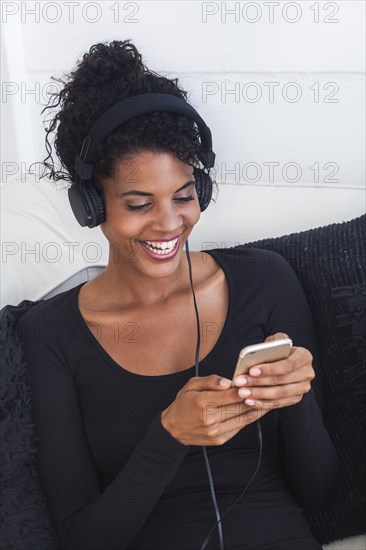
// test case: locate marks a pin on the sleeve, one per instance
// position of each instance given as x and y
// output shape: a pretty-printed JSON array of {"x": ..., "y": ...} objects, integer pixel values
[
  {"x": 309, "y": 459},
  {"x": 85, "y": 518}
]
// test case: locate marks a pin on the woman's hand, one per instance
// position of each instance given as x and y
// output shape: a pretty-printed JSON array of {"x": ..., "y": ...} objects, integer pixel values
[
  {"x": 207, "y": 413},
  {"x": 281, "y": 383}
]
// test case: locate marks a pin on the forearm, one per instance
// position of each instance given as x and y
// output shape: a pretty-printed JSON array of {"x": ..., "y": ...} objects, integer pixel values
[
  {"x": 115, "y": 517},
  {"x": 310, "y": 460}
]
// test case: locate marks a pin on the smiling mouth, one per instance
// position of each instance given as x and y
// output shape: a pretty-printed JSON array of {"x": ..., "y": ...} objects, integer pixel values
[{"x": 160, "y": 247}]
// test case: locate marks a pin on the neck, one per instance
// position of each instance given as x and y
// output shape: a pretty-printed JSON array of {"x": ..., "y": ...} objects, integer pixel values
[{"x": 125, "y": 285}]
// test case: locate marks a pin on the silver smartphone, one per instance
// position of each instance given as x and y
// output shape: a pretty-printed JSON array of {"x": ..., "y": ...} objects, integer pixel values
[{"x": 265, "y": 352}]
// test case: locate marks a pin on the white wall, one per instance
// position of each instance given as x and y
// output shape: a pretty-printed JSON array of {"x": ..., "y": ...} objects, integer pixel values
[
  {"x": 312, "y": 51},
  {"x": 282, "y": 165}
]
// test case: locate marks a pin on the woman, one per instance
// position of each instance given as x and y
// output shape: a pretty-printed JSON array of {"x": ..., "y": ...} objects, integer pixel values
[{"x": 120, "y": 415}]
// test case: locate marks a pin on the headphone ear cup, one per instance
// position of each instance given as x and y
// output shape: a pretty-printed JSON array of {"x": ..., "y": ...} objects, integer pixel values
[
  {"x": 204, "y": 187},
  {"x": 87, "y": 204},
  {"x": 98, "y": 203}
]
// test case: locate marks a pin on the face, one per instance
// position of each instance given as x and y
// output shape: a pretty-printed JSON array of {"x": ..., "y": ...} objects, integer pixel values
[{"x": 152, "y": 198}]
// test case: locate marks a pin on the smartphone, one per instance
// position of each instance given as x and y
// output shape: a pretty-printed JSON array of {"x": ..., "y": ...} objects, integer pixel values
[{"x": 265, "y": 352}]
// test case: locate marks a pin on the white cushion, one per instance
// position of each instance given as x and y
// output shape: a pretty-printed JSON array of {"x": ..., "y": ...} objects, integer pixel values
[
  {"x": 351, "y": 543},
  {"x": 246, "y": 213},
  {"x": 36, "y": 216}
]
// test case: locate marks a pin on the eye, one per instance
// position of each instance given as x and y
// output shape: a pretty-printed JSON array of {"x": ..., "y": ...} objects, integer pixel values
[
  {"x": 186, "y": 199},
  {"x": 133, "y": 208},
  {"x": 142, "y": 206}
]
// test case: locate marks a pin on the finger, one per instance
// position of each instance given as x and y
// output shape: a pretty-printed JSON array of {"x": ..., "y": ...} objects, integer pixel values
[
  {"x": 214, "y": 413},
  {"x": 208, "y": 383},
  {"x": 275, "y": 393},
  {"x": 298, "y": 358},
  {"x": 231, "y": 410},
  {"x": 303, "y": 374},
  {"x": 221, "y": 432},
  {"x": 214, "y": 406},
  {"x": 234, "y": 425},
  {"x": 277, "y": 336},
  {"x": 269, "y": 405}
]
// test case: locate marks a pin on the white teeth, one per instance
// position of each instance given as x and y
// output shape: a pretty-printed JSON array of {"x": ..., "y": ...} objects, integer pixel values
[
  {"x": 156, "y": 251},
  {"x": 162, "y": 245},
  {"x": 162, "y": 248}
]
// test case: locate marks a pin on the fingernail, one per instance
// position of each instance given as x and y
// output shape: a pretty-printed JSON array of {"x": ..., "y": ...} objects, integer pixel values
[
  {"x": 225, "y": 383},
  {"x": 249, "y": 402},
  {"x": 244, "y": 392},
  {"x": 255, "y": 371},
  {"x": 241, "y": 380}
]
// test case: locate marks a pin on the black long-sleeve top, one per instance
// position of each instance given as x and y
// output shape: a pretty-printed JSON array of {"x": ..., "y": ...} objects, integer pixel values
[{"x": 116, "y": 479}]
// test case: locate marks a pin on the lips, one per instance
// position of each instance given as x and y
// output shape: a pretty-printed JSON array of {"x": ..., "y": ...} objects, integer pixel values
[
  {"x": 163, "y": 240},
  {"x": 160, "y": 254}
]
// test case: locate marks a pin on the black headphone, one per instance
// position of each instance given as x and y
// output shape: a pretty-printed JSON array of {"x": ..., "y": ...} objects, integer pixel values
[{"x": 85, "y": 199}]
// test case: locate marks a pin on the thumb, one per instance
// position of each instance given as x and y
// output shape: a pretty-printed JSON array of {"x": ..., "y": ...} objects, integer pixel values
[
  {"x": 212, "y": 382},
  {"x": 277, "y": 336}
]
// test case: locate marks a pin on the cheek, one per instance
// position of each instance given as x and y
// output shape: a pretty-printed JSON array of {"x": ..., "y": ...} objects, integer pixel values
[
  {"x": 123, "y": 226},
  {"x": 195, "y": 214},
  {"x": 121, "y": 223},
  {"x": 118, "y": 223}
]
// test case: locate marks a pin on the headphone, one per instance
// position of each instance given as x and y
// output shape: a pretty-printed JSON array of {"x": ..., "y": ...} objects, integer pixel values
[{"x": 86, "y": 199}]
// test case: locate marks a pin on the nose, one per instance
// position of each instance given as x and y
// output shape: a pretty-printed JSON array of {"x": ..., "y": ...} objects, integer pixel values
[{"x": 168, "y": 221}]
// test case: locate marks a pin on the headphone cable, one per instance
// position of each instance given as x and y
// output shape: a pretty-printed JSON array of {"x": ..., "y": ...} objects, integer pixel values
[
  {"x": 217, "y": 511},
  {"x": 259, "y": 431}
]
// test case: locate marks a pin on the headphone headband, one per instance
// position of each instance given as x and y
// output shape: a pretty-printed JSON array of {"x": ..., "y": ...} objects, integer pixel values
[{"x": 130, "y": 108}]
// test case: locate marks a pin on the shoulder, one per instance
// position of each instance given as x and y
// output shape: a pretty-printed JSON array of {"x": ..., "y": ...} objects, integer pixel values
[
  {"x": 48, "y": 331},
  {"x": 246, "y": 257},
  {"x": 204, "y": 267},
  {"x": 251, "y": 267},
  {"x": 53, "y": 309}
]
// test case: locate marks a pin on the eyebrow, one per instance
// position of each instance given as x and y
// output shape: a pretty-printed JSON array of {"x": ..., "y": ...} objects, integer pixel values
[{"x": 144, "y": 194}]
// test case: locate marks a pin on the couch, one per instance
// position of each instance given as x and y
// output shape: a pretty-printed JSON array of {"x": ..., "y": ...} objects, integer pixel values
[{"x": 320, "y": 231}]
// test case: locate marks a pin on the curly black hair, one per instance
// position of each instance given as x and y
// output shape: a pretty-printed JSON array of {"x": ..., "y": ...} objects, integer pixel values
[{"x": 107, "y": 74}]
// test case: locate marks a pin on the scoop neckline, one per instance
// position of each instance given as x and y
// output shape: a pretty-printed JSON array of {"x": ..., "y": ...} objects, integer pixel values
[{"x": 169, "y": 376}]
